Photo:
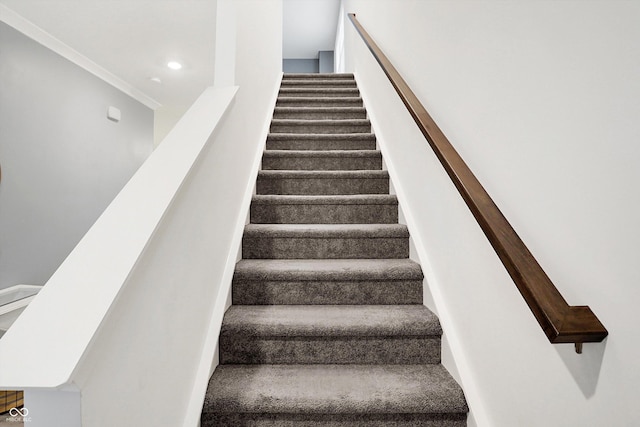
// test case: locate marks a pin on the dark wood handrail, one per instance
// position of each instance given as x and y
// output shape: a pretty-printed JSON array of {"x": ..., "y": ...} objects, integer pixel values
[{"x": 561, "y": 322}]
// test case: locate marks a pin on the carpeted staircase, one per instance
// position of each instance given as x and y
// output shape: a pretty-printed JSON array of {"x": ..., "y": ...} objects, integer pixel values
[{"x": 327, "y": 326}]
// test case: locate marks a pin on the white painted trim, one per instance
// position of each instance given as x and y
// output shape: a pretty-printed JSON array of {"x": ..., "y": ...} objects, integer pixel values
[
  {"x": 19, "y": 303},
  {"x": 29, "y": 29}
]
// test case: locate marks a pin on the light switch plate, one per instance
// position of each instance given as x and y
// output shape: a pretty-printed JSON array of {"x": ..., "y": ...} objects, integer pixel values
[{"x": 114, "y": 114}]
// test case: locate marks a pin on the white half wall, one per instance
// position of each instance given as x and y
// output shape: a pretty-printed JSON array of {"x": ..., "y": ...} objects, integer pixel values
[{"x": 541, "y": 100}]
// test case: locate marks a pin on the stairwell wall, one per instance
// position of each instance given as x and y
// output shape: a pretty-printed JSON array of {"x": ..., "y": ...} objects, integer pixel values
[
  {"x": 140, "y": 300},
  {"x": 195, "y": 249},
  {"x": 540, "y": 99},
  {"x": 62, "y": 160}
]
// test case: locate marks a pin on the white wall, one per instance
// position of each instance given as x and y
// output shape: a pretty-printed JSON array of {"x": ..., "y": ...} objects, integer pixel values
[
  {"x": 309, "y": 26},
  {"x": 301, "y": 65},
  {"x": 62, "y": 160},
  {"x": 184, "y": 277},
  {"x": 137, "y": 306},
  {"x": 541, "y": 100},
  {"x": 194, "y": 247}
]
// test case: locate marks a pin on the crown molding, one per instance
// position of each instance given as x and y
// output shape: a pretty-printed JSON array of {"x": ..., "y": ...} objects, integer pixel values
[{"x": 29, "y": 29}]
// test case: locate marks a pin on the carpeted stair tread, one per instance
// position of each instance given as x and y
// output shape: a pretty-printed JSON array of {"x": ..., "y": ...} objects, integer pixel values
[
  {"x": 330, "y": 320},
  {"x": 320, "y": 153},
  {"x": 319, "y": 92},
  {"x": 322, "y": 269},
  {"x": 335, "y": 241},
  {"x": 356, "y": 122},
  {"x": 320, "y": 113},
  {"x": 320, "y": 126},
  {"x": 353, "y": 199},
  {"x": 310, "y": 101},
  {"x": 327, "y": 182},
  {"x": 333, "y": 420},
  {"x": 330, "y": 334},
  {"x": 303, "y": 109},
  {"x": 361, "y": 174},
  {"x": 321, "y": 281},
  {"x": 320, "y": 76},
  {"x": 322, "y": 160},
  {"x": 313, "y": 209},
  {"x": 334, "y": 389},
  {"x": 316, "y": 231},
  {"x": 349, "y": 141},
  {"x": 301, "y": 82}
]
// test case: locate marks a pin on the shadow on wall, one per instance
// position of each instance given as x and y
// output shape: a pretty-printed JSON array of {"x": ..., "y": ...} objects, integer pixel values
[{"x": 585, "y": 368}]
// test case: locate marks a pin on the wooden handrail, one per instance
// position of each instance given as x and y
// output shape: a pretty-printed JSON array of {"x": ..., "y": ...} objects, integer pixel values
[{"x": 561, "y": 322}]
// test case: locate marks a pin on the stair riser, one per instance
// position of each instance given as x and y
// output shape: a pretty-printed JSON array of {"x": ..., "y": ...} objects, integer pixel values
[
  {"x": 319, "y": 93},
  {"x": 321, "y": 186},
  {"x": 324, "y": 214},
  {"x": 246, "y": 292},
  {"x": 329, "y": 127},
  {"x": 319, "y": 102},
  {"x": 317, "y": 76},
  {"x": 243, "y": 349},
  {"x": 320, "y": 144},
  {"x": 324, "y": 248},
  {"x": 322, "y": 163},
  {"x": 302, "y": 114},
  {"x": 330, "y": 420},
  {"x": 318, "y": 84}
]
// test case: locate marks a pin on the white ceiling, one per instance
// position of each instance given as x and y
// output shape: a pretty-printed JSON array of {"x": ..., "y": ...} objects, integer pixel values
[{"x": 134, "y": 39}]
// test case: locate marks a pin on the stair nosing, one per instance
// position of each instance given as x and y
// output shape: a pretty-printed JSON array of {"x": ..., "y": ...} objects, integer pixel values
[
  {"x": 332, "y": 199},
  {"x": 336, "y": 122},
  {"x": 411, "y": 392},
  {"x": 330, "y": 136},
  {"x": 334, "y": 269},
  {"x": 410, "y": 320},
  {"x": 320, "y": 174},
  {"x": 327, "y": 231},
  {"x": 322, "y": 153},
  {"x": 319, "y": 109},
  {"x": 320, "y": 75}
]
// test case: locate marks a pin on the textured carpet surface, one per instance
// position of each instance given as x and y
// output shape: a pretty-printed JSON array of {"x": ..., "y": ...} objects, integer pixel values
[
  {"x": 321, "y": 142},
  {"x": 334, "y": 389},
  {"x": 327, "y": 326},
  {"x": 330, "y": 320},
  {"x": 319, "y": 113},
  {"x": 356, "y": 199},
  {"x": 318, "y": 101},
  {"x": 320, "y": 269},
  {"x": 312, "y": 231}
]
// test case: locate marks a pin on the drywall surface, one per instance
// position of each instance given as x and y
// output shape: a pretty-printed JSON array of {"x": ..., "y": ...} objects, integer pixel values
[
  {"x": 300, "y": 65},
  {"x": 184, "y": 274},
  {"x": 541, "y": 99},
  {"x": 326, "y": 60},
  {"x": 308, "y": 27},
  {"x": 62, "y": 160}
]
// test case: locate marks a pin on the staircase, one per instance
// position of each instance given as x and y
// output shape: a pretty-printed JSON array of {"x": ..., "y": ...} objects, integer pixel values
[{"x": 327, "y": 326}]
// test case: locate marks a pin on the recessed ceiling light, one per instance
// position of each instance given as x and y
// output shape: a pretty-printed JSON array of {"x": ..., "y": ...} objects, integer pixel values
[
  {"x": 155, "y": 79},
  {"x": 174, "y": 65}
]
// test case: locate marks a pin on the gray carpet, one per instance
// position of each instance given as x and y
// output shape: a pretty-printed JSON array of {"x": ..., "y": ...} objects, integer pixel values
[{"x": 327, "y": 326}]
